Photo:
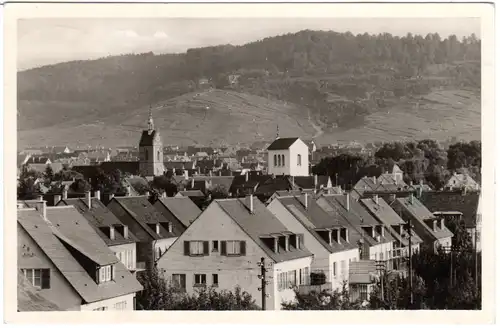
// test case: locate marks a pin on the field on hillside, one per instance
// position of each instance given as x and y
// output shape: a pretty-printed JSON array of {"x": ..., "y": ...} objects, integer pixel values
[{"x": 217, "y": 117}]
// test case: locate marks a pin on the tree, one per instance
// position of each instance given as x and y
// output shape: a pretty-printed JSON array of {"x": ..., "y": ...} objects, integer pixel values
[
  {"x": 323, "y": 300},
  {"x": 159, "y": 295},
  {"x": 80, "y": 186},
  {"x": 218, "y": 192},
  {"x": 165, "y": 184},
  {"x": 48, "y": 175},
  {"x": 28, "y": 186}
]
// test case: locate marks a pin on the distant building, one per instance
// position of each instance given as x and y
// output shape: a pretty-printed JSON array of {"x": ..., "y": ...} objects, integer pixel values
[
  {"x": 288, "y": 156},
  {"x": 151, "y": 151},
  {"x": 460, "y": 181}
]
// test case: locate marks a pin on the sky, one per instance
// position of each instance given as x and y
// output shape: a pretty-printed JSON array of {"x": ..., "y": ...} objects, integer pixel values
[{"x": 45, "y": 41}]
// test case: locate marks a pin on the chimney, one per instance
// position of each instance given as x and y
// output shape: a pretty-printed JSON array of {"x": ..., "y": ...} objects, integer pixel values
[
  {"x": 411, "y": 199},
  {"x": 375, "y": 199},
  {"x": 251, "y": 204},
  {"x": 164, "y": 195},
  {"x": 42, "y": 208},
  {"x": 348, "y": 207},
  {"x": 157, "y": 229},
  {"x": 305, "y": 200},
  {"x": 374, "y": 180},
  {"x": 246, "y": 176},
  {"x": 57, "y": 199},
  {"x": 89, "y": 199},
  {"x": 192, "y": 183},
  {"x": 129, "y": 191},
  {"x": 111, "y": 196},
  {"x": 220, "y": 172},
  {"x": 112, "y": 233},
  {"x": 40, "y": 198},
  {"x": 315, "y": 181},
  {"x": 97, "y": 194},
  {"x": 186, "y": 174}
]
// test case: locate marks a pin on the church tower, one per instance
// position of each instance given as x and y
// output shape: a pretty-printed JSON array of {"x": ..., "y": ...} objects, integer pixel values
[{"x": 151, "y": 151}]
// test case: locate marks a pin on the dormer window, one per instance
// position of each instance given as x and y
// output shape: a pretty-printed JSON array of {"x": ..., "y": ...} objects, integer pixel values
[
  {"x": 105, "y": 273},
  {"x": 344, "y": 234}
]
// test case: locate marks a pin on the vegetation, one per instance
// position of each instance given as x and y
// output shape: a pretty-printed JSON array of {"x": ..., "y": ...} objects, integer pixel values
[
  {"x": 159, "y": 295},
  {"x": 331, "y": 79},
  {"x": 424, "y": 160}
]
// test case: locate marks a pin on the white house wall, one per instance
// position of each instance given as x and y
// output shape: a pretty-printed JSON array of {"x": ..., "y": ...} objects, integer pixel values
[
  {"x": 111, "y": 303},
  {"x": 287, "y": 294}
]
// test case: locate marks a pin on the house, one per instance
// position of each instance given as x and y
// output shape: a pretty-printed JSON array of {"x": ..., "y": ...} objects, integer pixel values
[
  {"x": 29, "y": 297},
  {"x": 288, "y": 193},
  {"x": 395, "y": 225},
  {"x": 288, "y": 156},
  {"x": 269, "y": 186},
  {"x": 395, "y": 177},
  {"x": 61, "y": 150},
  {"x": 61, "y": 255},
  {"x": 39, "y": 160},
  {"x": 40, "y": 167},
  {"x": 99, "y": 156},
  {"x": 180, "y": 210},
  {"x": 430, "y": 228},
  {"x": 244, "y": 185},
  {"x": 112, "y": 231},
  {"x": 155, "y": 232},
  {"x": 376, "y": 243},
  {"x": 151, "y": 151},
  {"x": 224, "y": 246},
  {"x": 22, "y": 159},
  {"x": 459, "y": 181},
  {"x": 314, "y": 182},
  {"x": 456, "y": 205},
  {"x": 196, "y": 196},
  {"x": 362, "y": 278},
  {"x": 326, "y": 237}
]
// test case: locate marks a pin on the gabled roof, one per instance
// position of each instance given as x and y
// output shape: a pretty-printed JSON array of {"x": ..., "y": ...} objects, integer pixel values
[
  {"x": 147, "y": 139},
  {"x": 30, "y": 299},
  {"x": 261, "y": 223},
  {"x": 80, "y": 234},
  {"x": 140, "y": 209},
  {"x": 366, "y": 183},
  {"x": 314, "y": 217},
  {"x": 131, "y": 167},
  {"x": 182, "y": 208},
  {"x": 99, "y": 216},
  {"x": 52, "y": 241},
  {"x": 307, "y": 182},
  {"x": 416, "y": 209},
  {"x": 273, "y": 184},
  {"x": 441, "y": 201},
  {"x": 382, "y": 211},
  {"x": 282, "y": 143}
]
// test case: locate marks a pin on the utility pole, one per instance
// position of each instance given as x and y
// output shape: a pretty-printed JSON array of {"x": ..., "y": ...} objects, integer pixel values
[
  {"x": 410, "y": 269},
  {"x": 262, "y": 277}
]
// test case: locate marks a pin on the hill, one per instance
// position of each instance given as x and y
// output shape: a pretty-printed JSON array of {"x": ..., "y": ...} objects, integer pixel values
[{"x": 328, "y": 85}]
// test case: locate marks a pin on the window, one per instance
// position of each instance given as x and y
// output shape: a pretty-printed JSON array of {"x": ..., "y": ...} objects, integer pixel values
[
  {"x": 196, "y": 248},
  {"x": 215, "y": 279},
  {"x": 200, "y": 279},
  {"x": 102, "y": 308},
  {"x": 179, "y": 281},
  {"x": 299, "y": 160},
  {"x": 275, "y": 160},
  {"x": 282, "y": 280},
  {"x": 282, "y": 160},
  {"x": 105, "y": 273},
  {"x": 292, "y": 278},
  {"x": 215, "y": 246},
  {"x": 121, "y": 305},
  {"x": 233, "y": 247},
  {"x": 381, "y": 256},
  {"x": 335, "y": 269},
  {"x": 343, "y": 272},
  {"x": 38, "y": 277},
  {"x": 158, "y": 155},
  {"x": 279, "y": 160},
  {"x": 304, "y": 276}
]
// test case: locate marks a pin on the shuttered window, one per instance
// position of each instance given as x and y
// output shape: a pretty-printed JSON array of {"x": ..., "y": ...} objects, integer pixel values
[
  {"x": 196, "y": 248},
  {"x": 233, "y": 247}
]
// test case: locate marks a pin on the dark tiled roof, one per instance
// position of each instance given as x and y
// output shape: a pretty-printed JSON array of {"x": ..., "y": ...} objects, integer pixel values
[
  {"x": 366, "y": 183},
  {"x": 314, "y": 217},
  {"x": 441, "y": 201},
  {"x": 178, "y": 165},
  {"x": 262, "y": 222},
  {"x": 29, "y": 298},
  {"x": 192, "y": 193},
  {"x": 282, "y": 143},
  {"x": 273, "y": 184},
  {"x": 124, "y": 167},
  {"x": 145, "y": 213},
  {"x": 99, "y": 216},
  {"x": 147, "y": 139},
  {"x": 50, "y": 239},
  {"x": 382, "y": 210},
  {"x": 182, "y": 208},
  {"x": 225, "y": 181}
]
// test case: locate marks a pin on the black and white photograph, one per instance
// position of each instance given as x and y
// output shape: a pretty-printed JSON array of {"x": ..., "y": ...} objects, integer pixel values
[{"x": 251, "y": 163}]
